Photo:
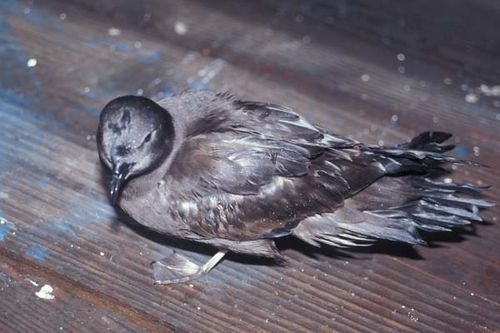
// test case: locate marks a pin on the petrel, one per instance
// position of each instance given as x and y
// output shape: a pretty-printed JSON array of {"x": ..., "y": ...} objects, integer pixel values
[{"x": 211, "y": 168}]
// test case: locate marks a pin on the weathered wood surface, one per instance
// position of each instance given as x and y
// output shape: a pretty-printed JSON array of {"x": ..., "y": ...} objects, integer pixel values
[{"x": 336, "y": 62}]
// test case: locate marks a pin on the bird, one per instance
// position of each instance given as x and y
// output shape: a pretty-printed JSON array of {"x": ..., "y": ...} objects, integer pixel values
[{"x": 208, "y": 167}]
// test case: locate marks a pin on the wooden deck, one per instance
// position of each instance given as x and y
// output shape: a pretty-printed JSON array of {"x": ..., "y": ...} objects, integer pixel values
[{"x": 377, "y": 71}]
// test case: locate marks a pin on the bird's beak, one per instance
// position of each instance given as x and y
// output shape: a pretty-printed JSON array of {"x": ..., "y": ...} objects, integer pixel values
[{"x": 120, "y": 175}]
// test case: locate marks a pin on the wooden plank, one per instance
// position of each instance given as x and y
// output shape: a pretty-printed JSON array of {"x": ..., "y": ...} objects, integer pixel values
[
  {"x": 48, "y": 159},
  {"x": 24, "y": 308}
]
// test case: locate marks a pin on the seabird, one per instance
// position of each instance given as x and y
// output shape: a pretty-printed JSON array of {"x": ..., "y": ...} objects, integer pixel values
[{"x": 211, "y": 168}]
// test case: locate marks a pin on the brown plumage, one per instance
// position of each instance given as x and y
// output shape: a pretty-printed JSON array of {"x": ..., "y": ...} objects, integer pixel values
[{"x": 235, "y": 174}]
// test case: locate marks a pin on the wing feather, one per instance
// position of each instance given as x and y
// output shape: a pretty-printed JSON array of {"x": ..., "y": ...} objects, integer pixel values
[{"x": 258, "y": 175}]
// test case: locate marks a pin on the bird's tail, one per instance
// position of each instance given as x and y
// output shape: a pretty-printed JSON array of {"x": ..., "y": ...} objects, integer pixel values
[
  {"x": 407, "y": 200},
  {"x": 395, "y": 209}
]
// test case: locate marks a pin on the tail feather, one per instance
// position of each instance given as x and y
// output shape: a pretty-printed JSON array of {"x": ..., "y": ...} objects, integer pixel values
[
  {"x": 459, "y": 201},
  {"x": 424, "y": 150},
  {"x": 435, "y": 206},
  {"x": 426, "y": 138},
  {"x": 448, "y": 187},
  {"x": 406, "y": 200},
  {"x": 422, "y": 208},
  {"x": 428, "y": 206}
]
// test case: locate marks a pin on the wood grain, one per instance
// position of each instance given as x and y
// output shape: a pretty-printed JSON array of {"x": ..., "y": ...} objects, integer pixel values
[{"x": 336, "y": 62}]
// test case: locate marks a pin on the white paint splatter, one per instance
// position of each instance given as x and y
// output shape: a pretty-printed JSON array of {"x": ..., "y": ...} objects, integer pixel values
[
  {"x": 401, "y": 57},
  {"x": 45, "y": 292},
  {"x": 114, "y": 32},
  {"x": 490, "y": 91},
  {"x": 412, "y": 315},
  {"x": 32, "y": 282},
  {"x": 102, "y": 254},
  {"x": 365, "y": 77},
  {"x": 31, "y": 62},
  {"x": 471, "y": 98},
  {"x": 180, "y": 28}
]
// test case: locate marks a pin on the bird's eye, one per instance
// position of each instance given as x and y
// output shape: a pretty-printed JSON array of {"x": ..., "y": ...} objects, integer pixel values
[{"x": 147, "y": 138}]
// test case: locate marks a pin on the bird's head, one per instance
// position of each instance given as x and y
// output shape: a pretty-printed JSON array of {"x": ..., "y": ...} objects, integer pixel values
[{"x": 134, "y": 136}]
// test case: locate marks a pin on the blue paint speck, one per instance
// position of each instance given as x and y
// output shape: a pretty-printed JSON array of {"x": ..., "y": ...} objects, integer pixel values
[
  {"x": 121, "y": 46},
  {"x": 43, "y": 181},
  {"x": 394, "y": 125},
  {"x": 91, "y": 110},
  {"x": 6, "y": 227},
  {"x": 4, "y": 230},
  {"x": 197, "y": 84},
  {"x": 143, "y": 55},
  {"x": 149, "y": 57},
  {"x": 462, "y": 151},
  {"x": 166, "y": 92},
  {"x": 37, "y": 252},
  {"x": 66, "y": 229}
]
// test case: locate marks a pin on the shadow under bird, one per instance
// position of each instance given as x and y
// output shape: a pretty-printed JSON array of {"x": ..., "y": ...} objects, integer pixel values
[{"x": 237, "y": 175}]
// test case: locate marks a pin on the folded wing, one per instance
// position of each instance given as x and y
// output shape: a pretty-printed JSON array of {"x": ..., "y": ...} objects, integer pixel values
[{"x": 265, "y": 172}]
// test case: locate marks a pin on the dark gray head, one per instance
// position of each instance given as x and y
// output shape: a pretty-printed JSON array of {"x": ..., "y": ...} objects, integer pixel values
[{"x": 134, "y": 136}]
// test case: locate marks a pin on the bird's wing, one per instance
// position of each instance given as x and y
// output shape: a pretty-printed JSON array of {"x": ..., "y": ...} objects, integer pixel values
[
  {"x": 261, "y": 173},
  {"x": 254, "y": 171}
]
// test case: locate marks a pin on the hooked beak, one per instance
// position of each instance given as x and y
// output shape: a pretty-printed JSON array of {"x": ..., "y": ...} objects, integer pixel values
[{"x": 120, "y": 175}]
